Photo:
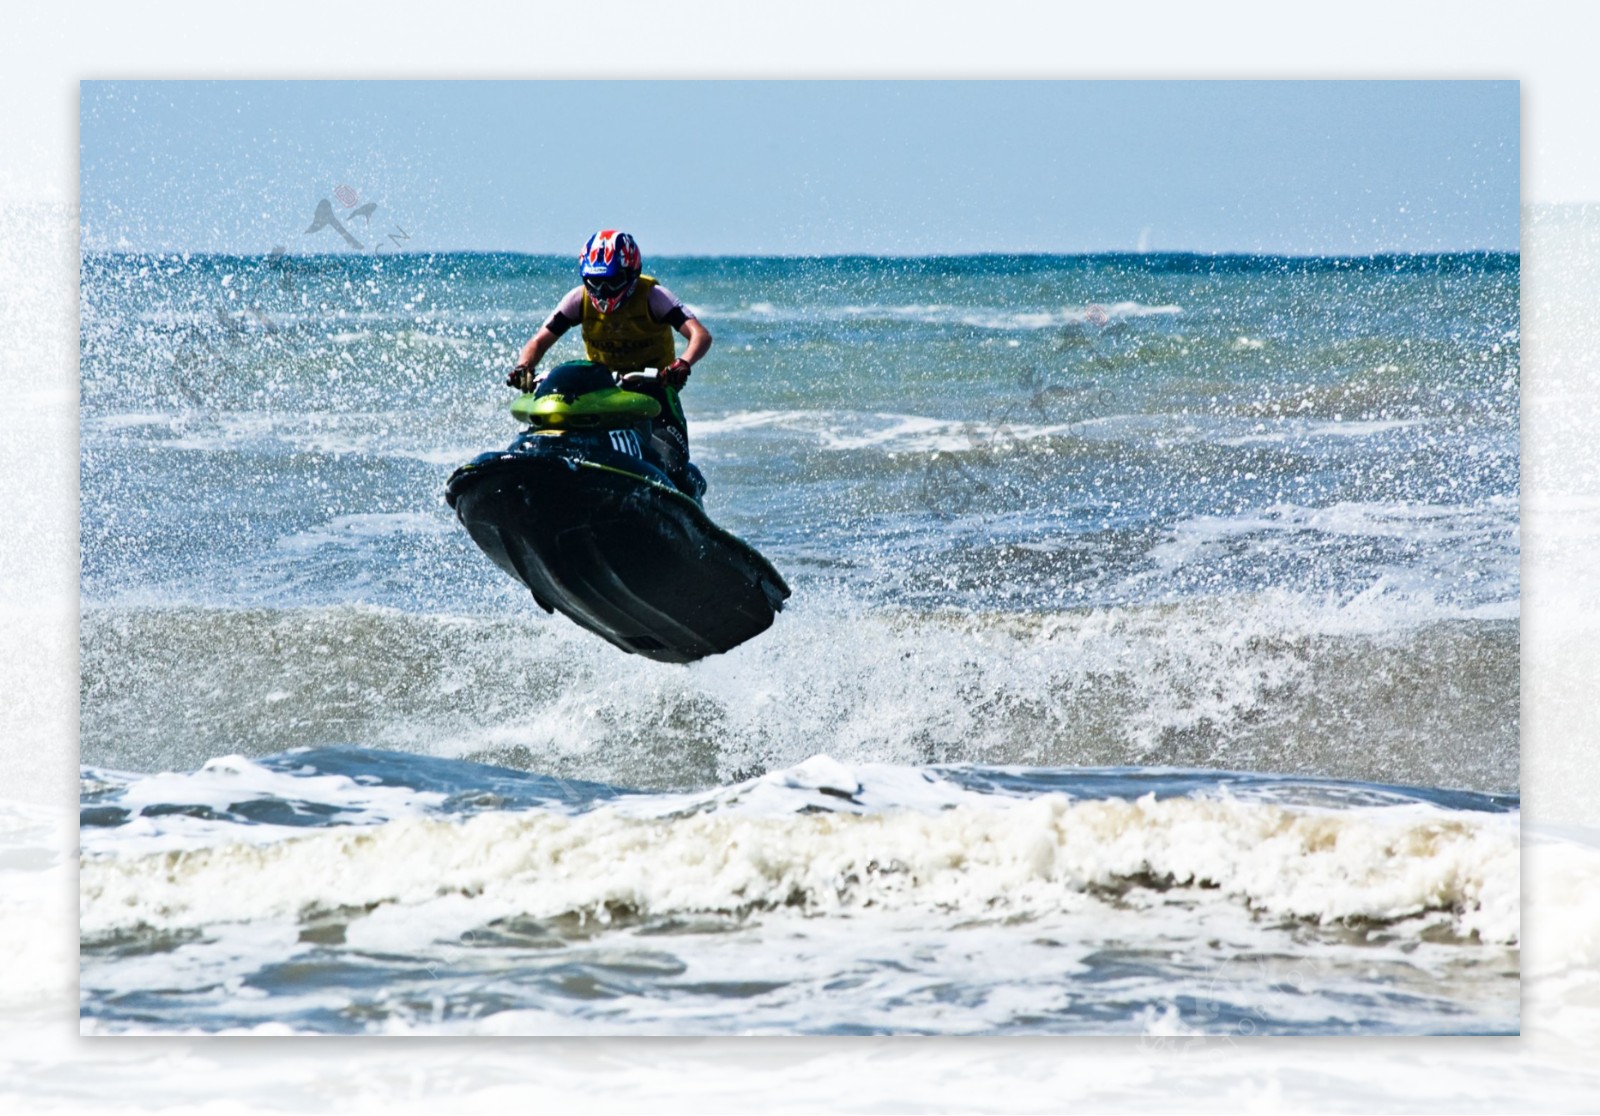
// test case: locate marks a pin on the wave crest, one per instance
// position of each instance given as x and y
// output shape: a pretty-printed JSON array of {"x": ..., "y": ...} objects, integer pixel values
[{"x": 1009, "y": 858}]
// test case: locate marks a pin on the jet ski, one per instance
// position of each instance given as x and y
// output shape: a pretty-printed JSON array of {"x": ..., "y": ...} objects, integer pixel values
[{"x": 583, "y": 510}]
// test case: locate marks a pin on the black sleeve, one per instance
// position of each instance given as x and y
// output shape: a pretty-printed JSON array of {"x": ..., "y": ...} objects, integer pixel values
[
  {"x": 676, "y": 317},
  {"x": 558, "y": 323}
]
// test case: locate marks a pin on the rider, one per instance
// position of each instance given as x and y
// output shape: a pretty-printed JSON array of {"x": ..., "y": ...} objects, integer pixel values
[{"x": 627, "y": 320}]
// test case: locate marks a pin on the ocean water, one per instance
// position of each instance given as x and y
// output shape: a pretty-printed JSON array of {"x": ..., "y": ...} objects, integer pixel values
[{"x": 1152, "y": 666}]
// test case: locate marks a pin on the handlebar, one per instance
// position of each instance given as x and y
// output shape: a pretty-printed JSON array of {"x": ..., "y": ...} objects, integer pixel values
[{"x": 624, "y": 380}]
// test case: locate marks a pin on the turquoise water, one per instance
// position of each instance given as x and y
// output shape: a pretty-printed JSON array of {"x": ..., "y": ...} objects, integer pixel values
[{"x": 1040, "y": 514}]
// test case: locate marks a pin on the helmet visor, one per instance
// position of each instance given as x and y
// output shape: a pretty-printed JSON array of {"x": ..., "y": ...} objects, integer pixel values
[{"x": 607, "y": 287}]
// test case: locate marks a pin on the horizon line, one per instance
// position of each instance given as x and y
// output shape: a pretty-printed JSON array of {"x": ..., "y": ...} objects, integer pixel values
[{"x": 1195, "y": 253}]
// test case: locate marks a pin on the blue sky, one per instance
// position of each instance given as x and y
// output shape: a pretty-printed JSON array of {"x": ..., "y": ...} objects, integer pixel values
[{"x": 795, "y": 167}]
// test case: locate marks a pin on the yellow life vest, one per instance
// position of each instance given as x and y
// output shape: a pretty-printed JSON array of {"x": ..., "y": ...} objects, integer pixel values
[{"x": 626, "y": 340}]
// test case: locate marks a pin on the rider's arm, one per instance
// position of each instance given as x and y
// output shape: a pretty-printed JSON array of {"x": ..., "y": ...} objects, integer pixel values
[
  {"x": 536, "y": 347},
  {"x": 567, "y": 314},
  {"x": 699, "y": 339},
  {"x": 667, "y": 307},
  {"x": 521, "y": 377}
]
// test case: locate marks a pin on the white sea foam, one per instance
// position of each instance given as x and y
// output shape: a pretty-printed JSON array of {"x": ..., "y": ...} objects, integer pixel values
[
  {"x": 1447, "y": 530},
  {"x": 244, "y": 316},
  {"x": 1284, "y": 429},
  {"x": 1353, "y": 429},
  {"x": 218, "y": 786},
  {"x": 1193, "y": 683},
  {"x": 125, "y": 420},
  {"x": 1433, "y": 523},
  {"x": 892, "y": 433},
  {"x": 358, "y": 433},
  {"x": 904, "y": 432},
  {"x": 1003, "y": 857},
  {"x": 980, "y": 317},
  {"x": 751, "y": 420},
  {"x": 358, "y": 530}
]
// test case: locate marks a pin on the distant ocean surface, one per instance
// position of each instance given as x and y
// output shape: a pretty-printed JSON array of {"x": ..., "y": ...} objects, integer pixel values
[{"x": 1152, "y": 664}]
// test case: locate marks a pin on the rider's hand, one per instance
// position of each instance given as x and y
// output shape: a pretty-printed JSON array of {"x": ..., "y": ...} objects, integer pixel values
[
  {"x": 676, "y": 373},
  {"x": 521, "y": 377}
]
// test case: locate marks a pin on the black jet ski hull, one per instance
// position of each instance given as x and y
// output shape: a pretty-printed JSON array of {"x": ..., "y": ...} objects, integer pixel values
[{"x": 606, "y": 540}]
